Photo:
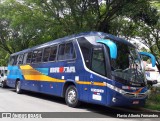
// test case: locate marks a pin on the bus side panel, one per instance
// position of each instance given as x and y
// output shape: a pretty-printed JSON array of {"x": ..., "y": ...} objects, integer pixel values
[
  {"x": 14, "y": 74},
  {"x": 45, "y": 85},
  {"x": 98, "y": 95},
  {"x": 33, "y": 86},
  {"x": 83, "y": 92},
  {"x": 59, "y": 89},
  {"x": 86, "y": 89},
  {"x": 81, "y": 75},
  {"x": 48, "y": 88},
  {"x": 11, "y": 82}
]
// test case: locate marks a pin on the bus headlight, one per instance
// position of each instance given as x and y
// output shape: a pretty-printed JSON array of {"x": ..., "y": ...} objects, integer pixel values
[{"x": 114, "y": 99}]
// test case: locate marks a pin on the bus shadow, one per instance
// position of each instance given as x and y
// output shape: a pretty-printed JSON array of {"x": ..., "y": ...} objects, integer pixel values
[
  {"x": 42, "y": 96},
  {"x": 94, "y": 109}
]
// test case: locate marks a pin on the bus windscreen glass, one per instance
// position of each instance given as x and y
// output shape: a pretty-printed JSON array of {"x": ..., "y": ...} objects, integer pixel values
[{"x": 127, "y": 65}]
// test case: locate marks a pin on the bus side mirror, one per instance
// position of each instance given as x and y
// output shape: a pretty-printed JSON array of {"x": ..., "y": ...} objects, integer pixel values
[
  {"x": 153, "y": 60},
  {"x": 112, "y": 47}
]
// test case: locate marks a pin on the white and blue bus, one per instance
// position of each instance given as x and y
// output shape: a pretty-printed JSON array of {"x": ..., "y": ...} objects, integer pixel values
[{"x": 92, "y": 67}]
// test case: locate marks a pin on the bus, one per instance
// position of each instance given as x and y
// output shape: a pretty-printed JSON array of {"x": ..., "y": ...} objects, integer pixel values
[{"x": 92, "y": 67}]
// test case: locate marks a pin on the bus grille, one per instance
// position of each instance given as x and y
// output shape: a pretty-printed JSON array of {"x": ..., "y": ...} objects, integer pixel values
[{"x": 131, "y": 95}]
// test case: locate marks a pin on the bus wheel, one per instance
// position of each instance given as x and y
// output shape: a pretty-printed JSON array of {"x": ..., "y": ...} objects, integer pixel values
[
  {"x": 71, "y": 97},
  {"x": 18, "y": 87}
]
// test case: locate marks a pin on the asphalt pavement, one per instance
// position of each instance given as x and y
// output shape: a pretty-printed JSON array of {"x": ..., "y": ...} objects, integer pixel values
[{"x": 28, "y": 105}]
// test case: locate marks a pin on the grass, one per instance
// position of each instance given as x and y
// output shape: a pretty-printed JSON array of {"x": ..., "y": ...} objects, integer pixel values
[{"x": 153, "y": 102}]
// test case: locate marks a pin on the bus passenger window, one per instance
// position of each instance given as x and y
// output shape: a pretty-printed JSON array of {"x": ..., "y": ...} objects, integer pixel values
[
  {"x": 34, "y": 54},
  {"x": 53, "y": 53},
  {"x": 29, "y": 57},
  {"x": 61, "y": 52},
  {"x": 86, "y": 48},
  {"x": 13, "y": 60},
  {"x": 19, "y": 59},
  {"x": 86, "y": 55},
  {"x": 39, "y": 56},
  {"x": 46, "y": 54},
  {"x": 25, "y": 58},
  {"x": 69, "y": 51},
  {"x": 98, "y": 63},
  {"x": 66, "y": 51}
]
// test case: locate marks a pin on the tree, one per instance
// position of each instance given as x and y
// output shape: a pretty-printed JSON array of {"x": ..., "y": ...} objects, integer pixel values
[
  {"x": 150, "y": 35},
  {"x": 4, "y": 57},
  {"x": 85, "y": 15},
  {"x": 31, "y": 22},
  {"x": 20, "y": 26}
]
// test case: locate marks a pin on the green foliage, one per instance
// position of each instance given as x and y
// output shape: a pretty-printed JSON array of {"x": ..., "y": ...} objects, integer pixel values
[
  {"x": 156, "y": 3},
  {"x": 4, "y": 57},
  {"x": 154, "y": 99},
  {"x": 26, "y": 23}
]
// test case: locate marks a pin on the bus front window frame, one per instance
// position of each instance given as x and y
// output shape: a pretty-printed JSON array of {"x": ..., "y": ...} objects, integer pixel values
[
  {"x": 128, "y": 68},
  {"x": 87, "y": 53}
]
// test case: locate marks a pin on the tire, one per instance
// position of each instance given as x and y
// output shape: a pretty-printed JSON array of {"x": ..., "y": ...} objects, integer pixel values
[
  {"x": 3, "y": 84},
  {"x": 18, "y": 87},
  {"x": 71, "y": 97}
]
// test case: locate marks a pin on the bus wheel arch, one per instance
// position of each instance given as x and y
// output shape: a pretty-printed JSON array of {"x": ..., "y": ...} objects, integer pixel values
[
  {"x": 71, "y": 94},
  {"x": 18, "y": 86},
  {"x": 65, "y": 86}
]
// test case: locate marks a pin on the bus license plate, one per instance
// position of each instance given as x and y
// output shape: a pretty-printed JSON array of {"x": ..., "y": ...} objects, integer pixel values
[{"x": 136, "y": 102}]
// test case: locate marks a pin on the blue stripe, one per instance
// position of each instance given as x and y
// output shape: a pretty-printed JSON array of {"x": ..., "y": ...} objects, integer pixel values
[
  {"x": 43, "y": 70},
  {"x": 14, "y": 76}
]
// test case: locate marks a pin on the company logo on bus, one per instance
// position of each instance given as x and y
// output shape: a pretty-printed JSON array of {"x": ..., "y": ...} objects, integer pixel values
[{"x": 70, "y": 69}]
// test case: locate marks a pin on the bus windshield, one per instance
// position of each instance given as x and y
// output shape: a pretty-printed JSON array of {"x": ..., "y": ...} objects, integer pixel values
[{"x": 127, "y": 65}]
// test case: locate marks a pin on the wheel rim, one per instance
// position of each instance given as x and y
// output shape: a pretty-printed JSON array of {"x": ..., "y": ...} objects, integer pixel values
[
  {"x": 72, "y": 96},
  {"x": 18, "y": 86}
]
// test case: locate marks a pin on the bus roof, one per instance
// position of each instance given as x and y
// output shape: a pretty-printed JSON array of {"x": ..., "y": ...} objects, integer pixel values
[{"x": 74, "y": 36}]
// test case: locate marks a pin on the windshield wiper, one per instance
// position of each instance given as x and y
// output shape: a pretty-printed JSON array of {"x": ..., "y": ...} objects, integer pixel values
[{"x": 135, "y": 69}]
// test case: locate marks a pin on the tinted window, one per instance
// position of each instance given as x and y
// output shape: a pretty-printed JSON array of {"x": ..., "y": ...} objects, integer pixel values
[
  {"x": 29, "y": 57},
  {"x": 61, "y": 52},
  {"x": 46, "y": 54},
  {"x": 20, "y": 59},
  {"x": 39, "y": 56},
  {"x": 98, "y": 63},
  {"x": 36, "y": 56},
  {"x": 13, "y": 60},
  {"x": 86, "y": 48},
  {"x": 66, "y": 51},
  {"x": 69, "y": 51},
  {"x": 25, "y": 58},
  {"x": 127, "y": 65},
  {"x": 53, "y": 53}
]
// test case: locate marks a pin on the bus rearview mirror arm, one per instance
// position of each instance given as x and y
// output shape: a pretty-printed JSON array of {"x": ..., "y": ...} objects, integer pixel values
[
  {"x": 112, "y": 47},
  {"x": 153, "y": 60}
]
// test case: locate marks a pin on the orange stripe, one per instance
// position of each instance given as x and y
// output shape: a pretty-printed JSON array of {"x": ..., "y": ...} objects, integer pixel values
[
  {"x": 38, "y": 77},
  {"x": 82, "y": 82},
  {"x": 138, "y": 91},
  {"x": 42, "y": 78},
  {"x": 99, "y": 84},
  {"x": 89, "y": 83}
]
